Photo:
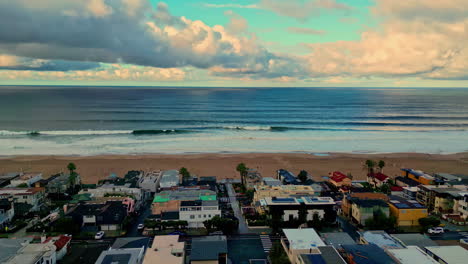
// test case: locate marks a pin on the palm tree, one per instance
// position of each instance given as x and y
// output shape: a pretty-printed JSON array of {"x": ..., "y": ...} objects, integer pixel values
[
  {"x": 370, "y": 165},
  {"x": 381, "y": 165},
  {"x": 302, "y": 176},
  {"x": 185, "y": 173},
  {"x": 242, "y": 169},
  {"x": 72, "y": 167}
]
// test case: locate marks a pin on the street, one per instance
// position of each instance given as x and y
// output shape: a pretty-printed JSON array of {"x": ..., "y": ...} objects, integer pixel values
[
  {"x": 243, "y": 229},
  {"x": 133, "y": 230}
]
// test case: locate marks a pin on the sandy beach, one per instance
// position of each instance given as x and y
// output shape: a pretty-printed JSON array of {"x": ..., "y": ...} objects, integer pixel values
[{"x": 93, "y": 168}]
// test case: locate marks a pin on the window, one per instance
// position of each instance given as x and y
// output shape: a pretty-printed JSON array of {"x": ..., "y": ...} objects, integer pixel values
[
  {"x": 192, "y": 217},
  {"x": 403, "y": 211},
  {"x": 209, "y": 216},
  {"x": 204, "y": 216},
  {"x": 199, "y": 216},
  {"x": 25, "y": 197}
]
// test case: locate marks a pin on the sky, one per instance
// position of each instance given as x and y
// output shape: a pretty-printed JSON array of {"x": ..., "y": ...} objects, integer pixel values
[{"x": 251, "y": 43}]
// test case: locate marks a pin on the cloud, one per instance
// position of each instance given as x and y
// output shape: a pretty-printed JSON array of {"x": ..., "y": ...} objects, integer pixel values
[
  {"x": 142, "y": 35},
  {"x": 302, "y": 10},
  {"x": 307, "y": 31},
  {"x": 403, "y": 46},
  {"x": 253, "y": 6},
  {"x": 9, "y": 62},
  {"x": 110, "y": 73},
  {"x": 237, "y": 24}
]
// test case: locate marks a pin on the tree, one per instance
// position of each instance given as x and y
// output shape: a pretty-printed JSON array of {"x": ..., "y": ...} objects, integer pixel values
[
  {"x": 302, "y": 214},
  {"x": 428, "y": 222},
  {"x": 277, "y": 254},
  {"x": 302, "y": 176},
  {"x": 226, "y": 225},
  {"x": 385, "y": 188},
  {"x": 185, "y": 173},
  {"x": 381, "y": 165},
  {"x": 350, "y": 176},
  {"x": 380, "y": 221},
  {"x": 72, "y": 178},
  {"x": 242, "y": 169},
  {"x": 370, "y": 165}
]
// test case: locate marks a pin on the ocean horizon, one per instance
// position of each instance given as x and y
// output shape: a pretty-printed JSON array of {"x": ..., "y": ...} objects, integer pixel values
[{"x": 53, "y": 120}]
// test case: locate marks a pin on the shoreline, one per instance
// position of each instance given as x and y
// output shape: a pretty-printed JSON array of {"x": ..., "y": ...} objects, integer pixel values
[{"x": 222, "y": 165}]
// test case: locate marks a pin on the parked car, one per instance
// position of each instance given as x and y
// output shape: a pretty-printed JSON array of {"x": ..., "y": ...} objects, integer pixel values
[
  {"x": 141, "y": 227},
  {"x": 99, "y": 235},
  {"x": 435, "y": 230}
]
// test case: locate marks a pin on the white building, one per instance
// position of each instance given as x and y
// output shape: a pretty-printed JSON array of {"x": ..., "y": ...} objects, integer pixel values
[
  {"x": 34, "y": 254},
  {"x": 462, "y": 205},
  {"x": 28, "y": 178},
  {"x": 149, "y": 182},
  {"x": 30, "y": 196},
  {"x": 7, "y": 212},
  {"x": 410, "y": 255},
  {"x": 169, "y": 178},
  {"x": 108, "y": 189},
  {"x": 301, "y": 241},
  {"x": 122, "y": 255},
  {"x": 448, "y": 254},
  {"x": 195, "y": 212}
]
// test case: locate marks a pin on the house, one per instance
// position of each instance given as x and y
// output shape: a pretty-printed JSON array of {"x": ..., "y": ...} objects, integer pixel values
[
  {"x": 451, "y": 179},
  {"x": 122, "y": 256},
  {"x": 59, "y": 183},
  {"x": 62, "y": 245},
  {"x": 346, "y": 205},
  {"x": 167, "y": 250},
  {"x": 366, "y": 254},
  {"x": 27, "y": 179},
  {"x": 448, "y": 254},
  {"x": 414, "y": 239},
  {"x": 209, "y": 250},
  {"x": 169, "y": 178},
  {"x": 269, "y": 181},
  {"x": 337, "y": 239},
  {"x": 301, "y": 241},
  {"x": 10, "y": 247},
  {"x": 418, "y": 176},
  {"x": 286, "y": 177},
  {"x": 7, "y": 212},
  {"x": 377, "y": 179},
  {"x": 338, "y": 179},
  {"x": 410, "y": 255},
  {"x": 406, "y": 182},
  {"x": 328, "y": 255},
  {"x": 407, "y": 212},
  {"x": 5, "y": 179},
  {"x": 131, "y": 242},
  {"x": 440, "y": 198},
  {"x": 380, "y": 239},
  {"x": 198, "y": 211},
  {"x": 104, "y": 217},
  {"x": 289, "y": 208},
  {"x": 34, "y": 253},
  {"x": 284, "y": 191},
  {"x": 410, "y": 192},
  {"x": 25, "y": 199},
  {"x": 169, "y": 201},
  {"x": 361, "y": 210},
  {"x": 252, "y": 178},
  {"x": 106, "y": 190},
  {"x": 462, "y": 206},
  {"x": 149, "y": 182}
]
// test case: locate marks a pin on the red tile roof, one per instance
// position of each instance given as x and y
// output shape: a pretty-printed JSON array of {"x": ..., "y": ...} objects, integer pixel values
[
  {"x": 379, "y": 176},
  {"x": 396, "y": 189},
  {"x": 62, "y": 241},
  {"x": 338, "y": 176}
]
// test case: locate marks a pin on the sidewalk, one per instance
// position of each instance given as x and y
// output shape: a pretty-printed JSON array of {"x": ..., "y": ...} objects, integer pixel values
[{"x": 243, "y": 229}]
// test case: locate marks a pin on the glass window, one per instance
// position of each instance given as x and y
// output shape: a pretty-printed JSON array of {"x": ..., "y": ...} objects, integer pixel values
[{"x": 192, "y": 217}]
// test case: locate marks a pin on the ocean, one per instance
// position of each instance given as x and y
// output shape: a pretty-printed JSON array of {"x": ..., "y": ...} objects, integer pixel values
[{"x": 136, "y": 120}]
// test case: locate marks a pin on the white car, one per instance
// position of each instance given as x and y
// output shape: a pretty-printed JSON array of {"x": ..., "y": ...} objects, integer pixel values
[
  {"x": 141, "y": 227},
  {"x": 99, "y": 235},
  {"x": 435, "y": 230}
]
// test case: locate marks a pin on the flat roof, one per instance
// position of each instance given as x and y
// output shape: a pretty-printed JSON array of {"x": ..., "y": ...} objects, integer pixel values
[
  {"x": 411, "y": 255},
  {"x": 450, "y": 254},
  {"x": 119, "y": 256},
  {"x": 338, "y": 239},
  {"x": 208, "y": 247},
  {"x": 402, "y": 203},
  {"x": 162, "y": 249},
  {"x": 304, "y": 238},
  {"x": 414, "y": 240},
  {"x": 368, "y": 254},
  {"x": 381, "y": 239}
]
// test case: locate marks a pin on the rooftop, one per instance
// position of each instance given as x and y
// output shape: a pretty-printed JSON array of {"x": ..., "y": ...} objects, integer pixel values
[
  {"x": 269, "y": 181},
  {"x": 418, "y": 173},
  {"x": 408, "y": 181},
  {"x": 184, "y": 195},
  {"x": 165, "y": 250},
  {"x": 304, "y": 238},
  {"x": 449, "y": 254},
  {"x": 10, "y": 247},
  {"x": 402, "y": 203},
  {"x": 131, "y": 242},
  {"x": 120, "y": 256},
  {"x": 208, "y": 247},
  {"x": 369, "y": 203},
  {"x": 20, "y": 191},
  {"x": 379, "y": 176},
  {"x": 381, "y": 239},
  {"x": 368, "y": 195},
  {"x": 170, "y": 176},
  {"x": 337, "y": 176},
  {"x": 368, "y": 254},
  {"x": 411, "y": 255},
  {"x": 328, "y": 255},
  {"x": 338, "y": 238},
  {"x": 288, "y": 176},
  {"x": 414, "y": 240}
]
